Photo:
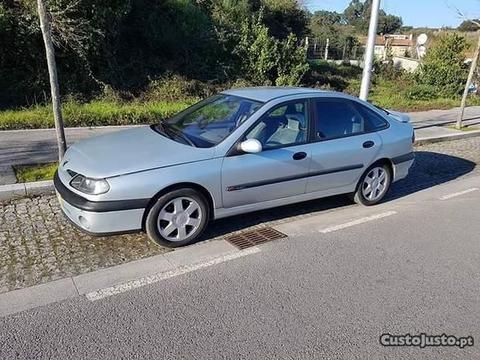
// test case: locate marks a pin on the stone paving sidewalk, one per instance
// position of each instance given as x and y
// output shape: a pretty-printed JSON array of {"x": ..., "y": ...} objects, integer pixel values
[{"x": 38, "y": 245}]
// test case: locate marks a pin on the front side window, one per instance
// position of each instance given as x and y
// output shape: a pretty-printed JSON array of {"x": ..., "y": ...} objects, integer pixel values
[
  {"x": 337, "y": 118},
  {"x": 284, "y": 125},
  {"x": 210, "y": 121}
]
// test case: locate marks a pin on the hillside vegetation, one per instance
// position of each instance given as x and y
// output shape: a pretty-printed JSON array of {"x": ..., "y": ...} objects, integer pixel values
[{"x": 132, "y": 62}]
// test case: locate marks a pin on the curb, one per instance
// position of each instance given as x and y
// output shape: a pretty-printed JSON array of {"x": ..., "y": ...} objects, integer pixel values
[
  {"x": 449, "y": 137},
  {"x": 114, "y": 280},
  {"x": 15, "y": 191}
]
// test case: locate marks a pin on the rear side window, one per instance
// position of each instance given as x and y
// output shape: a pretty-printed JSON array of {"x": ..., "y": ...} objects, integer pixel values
[
  {"x": 374, "y": 122},
  {"x": 337, "y": 118}
]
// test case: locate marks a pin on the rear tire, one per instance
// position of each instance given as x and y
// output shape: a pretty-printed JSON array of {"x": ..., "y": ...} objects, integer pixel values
[
  {"x": 373, "y": 185},
  {"x": 178, "y": 218}
]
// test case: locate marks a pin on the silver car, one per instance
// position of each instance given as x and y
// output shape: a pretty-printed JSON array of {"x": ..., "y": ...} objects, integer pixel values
[{"x": 239, "y": 151}]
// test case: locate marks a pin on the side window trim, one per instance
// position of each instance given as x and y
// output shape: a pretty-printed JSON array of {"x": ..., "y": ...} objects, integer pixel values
[{"x": 233, "y": 150}]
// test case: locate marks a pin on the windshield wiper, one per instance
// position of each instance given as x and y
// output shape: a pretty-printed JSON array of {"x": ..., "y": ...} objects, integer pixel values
[
  {"x": 172, "y": 132},
  {"x": 160, "y": 128}
]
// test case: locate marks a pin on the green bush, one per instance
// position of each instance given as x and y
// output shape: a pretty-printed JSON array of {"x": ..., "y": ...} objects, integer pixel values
[
  {"x": 443, "y": 66},
  {"x": 265, "y": 60},
  {"x": 388, "y": 70},
  {"x": 328, "y": 75},
  {"x": 421, "y": 92},
  {"x": 174, "y": 88}
]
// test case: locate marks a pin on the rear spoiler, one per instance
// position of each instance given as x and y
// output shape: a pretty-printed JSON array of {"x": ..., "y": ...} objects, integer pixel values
[{"x": 402, "y": 117}]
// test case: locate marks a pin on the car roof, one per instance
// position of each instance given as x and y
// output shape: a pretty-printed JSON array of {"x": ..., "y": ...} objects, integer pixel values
[{"x": 268, "y": 93}]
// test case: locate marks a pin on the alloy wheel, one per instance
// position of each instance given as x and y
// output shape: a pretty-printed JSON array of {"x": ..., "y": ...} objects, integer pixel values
[
  {"x": 375, "y": 184},
  {"x": 179, "y": 218}
]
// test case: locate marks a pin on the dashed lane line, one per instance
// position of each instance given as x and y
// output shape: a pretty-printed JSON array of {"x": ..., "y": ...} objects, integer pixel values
[
  {"x": 449, "y": 196},
  {"x": 357, "y": 222}
]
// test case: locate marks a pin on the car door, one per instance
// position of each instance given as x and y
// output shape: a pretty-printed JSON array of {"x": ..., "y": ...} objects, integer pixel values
[
  {"x": 344, "y": 145},
  {"x": 281, "y": 168}
]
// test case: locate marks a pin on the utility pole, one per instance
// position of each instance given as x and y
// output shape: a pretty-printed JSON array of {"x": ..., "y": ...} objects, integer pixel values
[
  {"x": 473, "y": 68},
  {"x": 52, "y": 72},
  {"x": 369, "y": 52}
]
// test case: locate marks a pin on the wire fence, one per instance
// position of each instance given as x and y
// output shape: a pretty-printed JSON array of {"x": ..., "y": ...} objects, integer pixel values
[{"x": 319, "y": 50}]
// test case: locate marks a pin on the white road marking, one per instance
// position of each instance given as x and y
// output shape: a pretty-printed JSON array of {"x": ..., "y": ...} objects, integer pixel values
[
  {"x": 117, "y": 289},
  {"x": 449, "y": 196},
  {"x": 358, "y": 221}
]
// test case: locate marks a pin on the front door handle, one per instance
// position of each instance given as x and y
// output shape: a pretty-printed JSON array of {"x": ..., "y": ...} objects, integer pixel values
[
  {"x": 368, "y": 144},
  {"x": 299, "y": 155}
]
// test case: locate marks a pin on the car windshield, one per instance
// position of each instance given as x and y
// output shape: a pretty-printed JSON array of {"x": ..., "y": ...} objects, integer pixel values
[{"x": 208, "y": 122}]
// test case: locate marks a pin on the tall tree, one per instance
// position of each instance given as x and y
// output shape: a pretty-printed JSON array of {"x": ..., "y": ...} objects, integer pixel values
[{"x": 358, "y": 12}]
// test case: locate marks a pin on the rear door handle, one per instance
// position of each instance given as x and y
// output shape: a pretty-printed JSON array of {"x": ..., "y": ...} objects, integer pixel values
[
  {"x": 368, "y": 144},
  {"x": 299, "y": 155}
]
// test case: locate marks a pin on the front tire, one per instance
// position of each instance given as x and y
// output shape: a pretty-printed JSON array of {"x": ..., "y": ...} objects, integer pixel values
[
  {"x": 373, "y": 185},
  {"x": 178, "y": 218}
]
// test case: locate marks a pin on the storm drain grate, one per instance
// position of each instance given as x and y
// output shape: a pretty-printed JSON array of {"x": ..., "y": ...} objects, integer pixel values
[{"x": 254, "y": 237}]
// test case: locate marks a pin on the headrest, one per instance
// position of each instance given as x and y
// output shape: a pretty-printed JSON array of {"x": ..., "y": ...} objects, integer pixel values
[
  {"x": 293, "y": 124},
  {"x": 298, "y": 118}
]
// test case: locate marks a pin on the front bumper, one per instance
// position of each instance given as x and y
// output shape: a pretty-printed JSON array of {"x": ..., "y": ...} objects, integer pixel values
[{"x": 99, "y": 218}]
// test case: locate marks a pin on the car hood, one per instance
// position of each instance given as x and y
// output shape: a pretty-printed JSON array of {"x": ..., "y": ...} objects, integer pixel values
[{"x": 129, "y": 151}]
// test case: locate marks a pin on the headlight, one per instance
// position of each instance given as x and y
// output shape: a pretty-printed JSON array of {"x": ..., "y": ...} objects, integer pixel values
[{"x": 90, "y": 186}]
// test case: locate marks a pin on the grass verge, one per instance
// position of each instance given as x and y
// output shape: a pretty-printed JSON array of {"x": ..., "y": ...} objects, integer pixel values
[
  {"x": 28, "y": 173},
  {"x": 389, "y": 94},
  {"x": 95, "y": 113},
  {"x": 392, "y": 95}
]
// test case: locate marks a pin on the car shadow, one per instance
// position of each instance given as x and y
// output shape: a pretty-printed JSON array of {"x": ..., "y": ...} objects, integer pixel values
[{"x": 429, "y": 169}]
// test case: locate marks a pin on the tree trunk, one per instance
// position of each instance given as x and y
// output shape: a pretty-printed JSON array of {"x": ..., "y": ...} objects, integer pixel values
[
  {"x": 52, "y": 71},
  {"x": 473, "y": 67},
  {"x": 326, "y": 49}
]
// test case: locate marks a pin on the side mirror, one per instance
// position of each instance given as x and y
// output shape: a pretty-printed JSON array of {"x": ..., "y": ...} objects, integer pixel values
[{"x": 251, "y": 146}]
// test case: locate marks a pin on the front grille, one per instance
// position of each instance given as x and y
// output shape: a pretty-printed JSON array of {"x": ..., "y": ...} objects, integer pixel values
[{"x": 254, "y": 237}]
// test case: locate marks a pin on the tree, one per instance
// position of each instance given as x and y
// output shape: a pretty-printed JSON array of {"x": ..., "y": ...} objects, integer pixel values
[
  {"x": 357, "y": 14},
  {"x": 443, "y": 66},
  {"x": 284, "y": 17},
  {"x": 388, "y": 24},
  {"x": 266, "y": 60},
  {"x": 52, "y": 70},
  {"x": 468, "y": 25},
  {"x": 324, "y": 18},
  {"x": 331, "y": 25}
]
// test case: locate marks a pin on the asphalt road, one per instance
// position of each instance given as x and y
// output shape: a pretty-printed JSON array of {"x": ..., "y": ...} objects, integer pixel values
[{"x": 328, "y": 291}]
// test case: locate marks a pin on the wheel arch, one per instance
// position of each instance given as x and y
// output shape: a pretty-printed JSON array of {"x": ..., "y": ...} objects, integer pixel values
[
  {"x": 183, "y": 185},
  {"x": 381, "y": 161},
  {"x": 388, "y": 162}
]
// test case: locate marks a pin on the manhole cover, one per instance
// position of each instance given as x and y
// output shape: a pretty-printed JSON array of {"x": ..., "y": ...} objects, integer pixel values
[{"x": 254, "y": 237}]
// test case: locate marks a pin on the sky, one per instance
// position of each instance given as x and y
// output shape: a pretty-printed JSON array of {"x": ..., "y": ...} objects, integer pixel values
[{"x": 417, "y": 13}]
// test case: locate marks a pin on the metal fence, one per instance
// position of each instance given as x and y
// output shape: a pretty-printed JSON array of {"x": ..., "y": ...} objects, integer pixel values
[{"x": 317, "y": 49}]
